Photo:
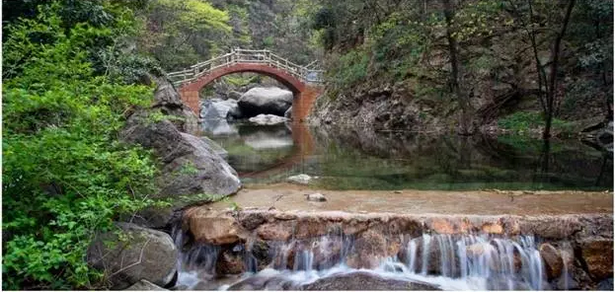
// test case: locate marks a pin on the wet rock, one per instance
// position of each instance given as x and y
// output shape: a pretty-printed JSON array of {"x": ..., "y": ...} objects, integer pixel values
[
  {"x": 369, "y": 248},
  {"x": 274, "y": 231},
  {"x": 145, "y": 285},
  {"x": 230, "y": 262},
  {"x": 361, "y": 281},
  {"x": 191, "y": 166},
  {"x": 265, "y": 101},
  {"x": 552, "y": 260},
  {"x": 289, "y": 113},
  {"x": 265, "y": 280},
  {"x": 302, "y": 179},
  {"x": 316, "y": 197},
  {"x": 147, "y": 254},
  {"x": 599, "y": 258},
  {"x": 251, "y": 221},
  {"x": 218, "y": 228},
  {"x": 267, "y": 119},
  {"x": 606, "y": 285}
]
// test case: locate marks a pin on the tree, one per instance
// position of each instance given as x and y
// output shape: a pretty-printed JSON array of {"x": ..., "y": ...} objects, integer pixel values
[
  {"x": 181, "y": 33},
  {"x": 463, "y": 100},
  {"x": 547, "y": 81}
]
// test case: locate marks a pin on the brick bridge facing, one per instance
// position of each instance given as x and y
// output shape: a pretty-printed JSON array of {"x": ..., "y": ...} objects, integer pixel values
[{"x": 303, "y": 82}]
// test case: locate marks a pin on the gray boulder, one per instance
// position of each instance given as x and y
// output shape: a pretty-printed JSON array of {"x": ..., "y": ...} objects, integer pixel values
[
  {"x": 265, "y": 100},
  {"x": 146, "y": 254},
  {"x": 362, "y": 281},
  {"x": 217, "y": 109},
  {"x": 169, "y": 102},
  {"x": 191, "y": 166},
  {"x": 267, "y": 119}
]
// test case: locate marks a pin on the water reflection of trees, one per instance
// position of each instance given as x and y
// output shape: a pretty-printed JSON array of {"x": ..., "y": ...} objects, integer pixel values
[{"x": 477, "y": 159}]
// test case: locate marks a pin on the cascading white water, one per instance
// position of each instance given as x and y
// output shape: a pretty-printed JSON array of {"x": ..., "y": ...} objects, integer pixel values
[{"x": 460, "y": 262}]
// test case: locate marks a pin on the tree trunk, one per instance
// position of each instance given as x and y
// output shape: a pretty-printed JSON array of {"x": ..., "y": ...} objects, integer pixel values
[
  {"x": 465, "y": 123},
  {"x": 554, "y": 72}
]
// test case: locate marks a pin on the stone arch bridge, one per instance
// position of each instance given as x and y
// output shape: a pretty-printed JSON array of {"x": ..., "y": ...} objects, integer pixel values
[{"x": 303, "y": 81}]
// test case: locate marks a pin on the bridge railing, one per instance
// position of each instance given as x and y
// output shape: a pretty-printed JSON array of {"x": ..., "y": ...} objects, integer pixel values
[{"x": 248, "y": 56}]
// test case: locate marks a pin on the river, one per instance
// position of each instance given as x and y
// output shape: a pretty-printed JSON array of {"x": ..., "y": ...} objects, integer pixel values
[{"x": 395, "y": 161}]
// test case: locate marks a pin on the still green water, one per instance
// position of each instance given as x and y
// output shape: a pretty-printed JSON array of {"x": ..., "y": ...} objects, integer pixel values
[{"x": 345, "y": 161}]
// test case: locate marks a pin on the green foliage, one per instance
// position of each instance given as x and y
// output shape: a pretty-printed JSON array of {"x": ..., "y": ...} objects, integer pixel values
[
  {"x": 65, "y": 176},
  {"x": 351, "y": 68},
  {"x": 182, "y": 33},
  {"x": 525, "y": 121}
]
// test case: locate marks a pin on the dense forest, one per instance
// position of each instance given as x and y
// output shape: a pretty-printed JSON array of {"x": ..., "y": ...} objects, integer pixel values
[
  {"x": 518, "y": 65},
  {"x": 74, "y": 70}
]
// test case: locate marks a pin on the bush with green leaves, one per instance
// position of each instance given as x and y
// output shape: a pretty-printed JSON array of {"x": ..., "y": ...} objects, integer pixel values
[{"x": 65, "y": 175}]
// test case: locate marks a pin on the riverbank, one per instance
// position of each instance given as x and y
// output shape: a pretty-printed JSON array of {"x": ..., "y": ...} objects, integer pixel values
[{"x": 489, "y": 202}]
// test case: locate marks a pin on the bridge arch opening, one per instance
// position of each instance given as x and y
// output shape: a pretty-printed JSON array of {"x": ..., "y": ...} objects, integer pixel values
[{"x": 295, "y": 77}]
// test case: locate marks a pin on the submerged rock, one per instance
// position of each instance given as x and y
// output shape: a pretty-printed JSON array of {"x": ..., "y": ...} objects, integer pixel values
[
  {"x": 146, "y": 254},
  {"x": 362, "y": 281},
  {"x": 265, "y": 101},
  {"x": 267, "y": 119}
]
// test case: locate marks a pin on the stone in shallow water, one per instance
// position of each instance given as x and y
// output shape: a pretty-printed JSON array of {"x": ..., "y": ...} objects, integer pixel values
[
  {"x": 316, "y": 197},
  {"x": 365, "y": 281}
]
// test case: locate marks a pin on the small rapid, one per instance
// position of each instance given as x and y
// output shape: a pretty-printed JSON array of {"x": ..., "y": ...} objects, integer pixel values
[{"x": 444, "y": 261}]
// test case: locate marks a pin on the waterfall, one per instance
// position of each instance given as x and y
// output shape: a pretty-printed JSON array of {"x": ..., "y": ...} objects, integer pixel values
[{"x": 482, "y": 262}]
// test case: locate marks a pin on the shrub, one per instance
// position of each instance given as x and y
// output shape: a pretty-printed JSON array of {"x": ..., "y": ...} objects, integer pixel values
[{"x": 64, "y": 176}]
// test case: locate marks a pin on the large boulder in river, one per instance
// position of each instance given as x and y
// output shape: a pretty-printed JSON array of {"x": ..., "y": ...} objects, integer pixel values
[
  {"x": 362, "y": 281},
  {"x": 191, "y": 166},
  {"x": 217, "y": 109},
  {"x": 265, "y": 100},
  {"x": 144, "y": 254}
]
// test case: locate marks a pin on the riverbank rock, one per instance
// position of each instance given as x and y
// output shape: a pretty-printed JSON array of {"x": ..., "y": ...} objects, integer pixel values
[
  {"x": 191, "y": 166},
  {"x": 370, "y": 247},
  {"x": 169, "y": 102},
  {"x": 218, "y": 228},
  {"x": 270, "y": 100},
  {"x": 552, "y": 260},
  {"x": 598, "y": 256},
  {"x": 146, "y": 254},
  {"x": 145, "y": 285},
  {"x": 267, "y": 119},
  {"x": 362, "y": 281}
]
